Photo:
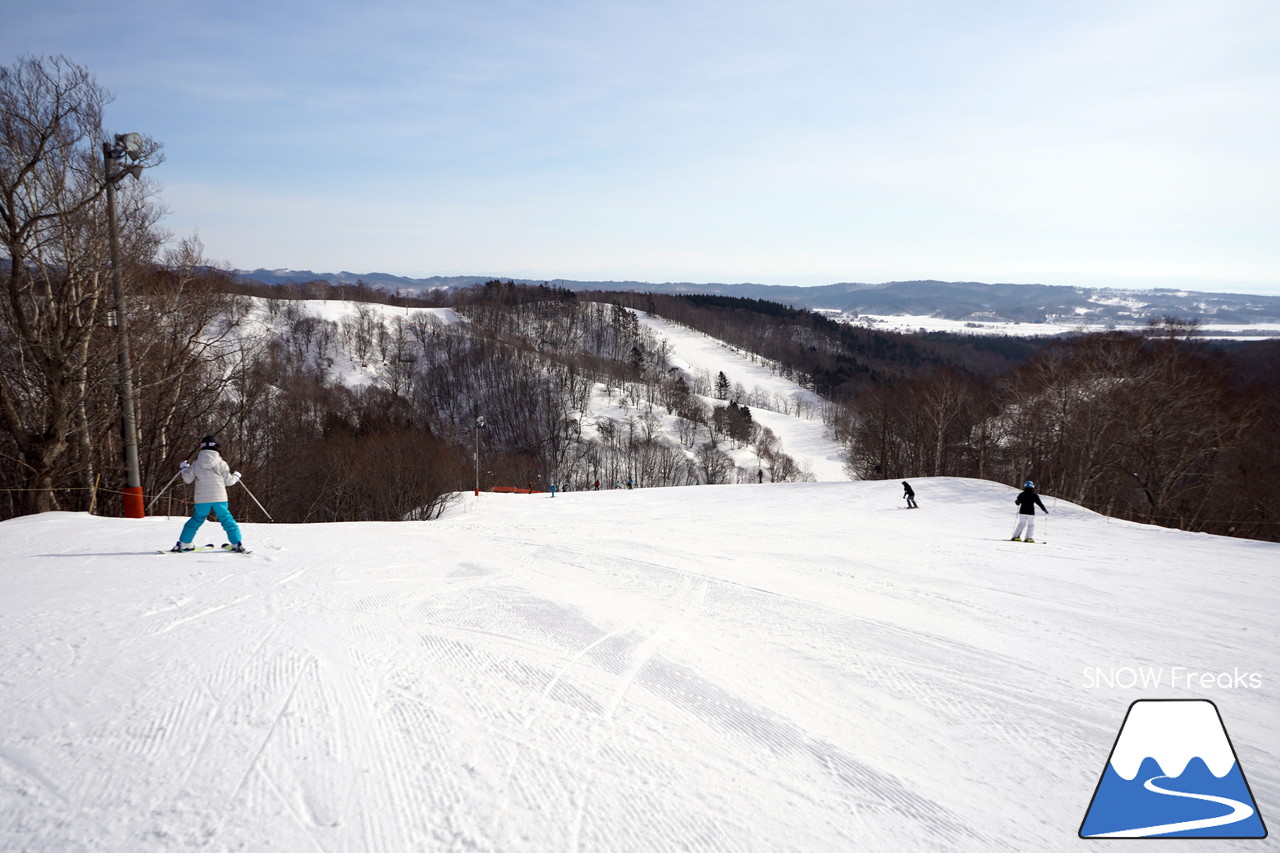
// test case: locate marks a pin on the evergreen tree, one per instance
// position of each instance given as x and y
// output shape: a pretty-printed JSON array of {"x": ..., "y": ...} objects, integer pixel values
[{"x": 722, "y": 386}]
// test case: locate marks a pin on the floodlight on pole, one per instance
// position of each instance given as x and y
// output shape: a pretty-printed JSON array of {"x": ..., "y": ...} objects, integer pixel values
[{"x": 130, "y": 145}]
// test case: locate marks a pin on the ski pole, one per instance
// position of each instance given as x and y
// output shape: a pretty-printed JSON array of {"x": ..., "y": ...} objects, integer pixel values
[
  {"x": 255, "y": 500},
  {"x": 165, "y": 489}
]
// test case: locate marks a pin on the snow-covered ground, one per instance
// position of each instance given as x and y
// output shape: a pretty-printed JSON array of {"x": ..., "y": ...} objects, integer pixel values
[
  {"x": 263, "y": 322},
  {"x": 335, "y": 310},
  {"x": 796, "y": 667}
]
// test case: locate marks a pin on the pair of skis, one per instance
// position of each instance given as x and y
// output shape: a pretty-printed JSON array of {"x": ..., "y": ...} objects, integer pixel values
[{"x": 200, "y": 548}]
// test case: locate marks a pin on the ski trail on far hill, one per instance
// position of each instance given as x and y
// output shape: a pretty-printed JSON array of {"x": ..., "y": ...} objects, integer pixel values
[{"x": 792, "y": 412}]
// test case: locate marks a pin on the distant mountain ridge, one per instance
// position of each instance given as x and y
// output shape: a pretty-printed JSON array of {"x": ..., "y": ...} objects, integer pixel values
[{"x": 957, "y": 300}]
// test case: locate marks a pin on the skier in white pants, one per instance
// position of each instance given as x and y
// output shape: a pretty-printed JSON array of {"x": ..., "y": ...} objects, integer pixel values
[{"x": 1027, "y": 502}]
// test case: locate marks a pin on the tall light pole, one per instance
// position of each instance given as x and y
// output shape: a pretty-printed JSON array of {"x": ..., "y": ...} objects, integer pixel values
[
  {"x": 479, "y": 426},
  {"x": 126, "y": 144}
]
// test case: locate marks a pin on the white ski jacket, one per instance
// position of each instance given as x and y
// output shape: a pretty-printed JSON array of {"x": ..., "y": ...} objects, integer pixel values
[{"x": 211, "y": 476}]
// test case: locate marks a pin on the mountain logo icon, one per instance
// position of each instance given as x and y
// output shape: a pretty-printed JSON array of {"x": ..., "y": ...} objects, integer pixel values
[{"x": 1172, "y": 773}]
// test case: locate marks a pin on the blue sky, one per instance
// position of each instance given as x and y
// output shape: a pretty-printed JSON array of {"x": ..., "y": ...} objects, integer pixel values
[{"x": 805, "y": 142}]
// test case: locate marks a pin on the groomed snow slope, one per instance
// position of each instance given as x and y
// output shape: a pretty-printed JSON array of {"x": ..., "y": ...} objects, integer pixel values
[{"x": 781, "y": 667}]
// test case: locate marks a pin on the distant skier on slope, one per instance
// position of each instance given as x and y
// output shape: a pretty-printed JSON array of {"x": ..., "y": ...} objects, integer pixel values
[
  {"x": 910, "y": 494},
  {"x": 1027, "y": 501},
  {"x": 211, "y": 476}
]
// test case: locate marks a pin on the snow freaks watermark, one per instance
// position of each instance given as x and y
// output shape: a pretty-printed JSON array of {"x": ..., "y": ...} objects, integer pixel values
[
  {"x": 1172, "y": 773},
  {"x": 1168, "y": 678}
]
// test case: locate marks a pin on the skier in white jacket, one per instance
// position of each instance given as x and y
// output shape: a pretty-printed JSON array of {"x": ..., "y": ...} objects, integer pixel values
[{"x": 211, "y": 476}]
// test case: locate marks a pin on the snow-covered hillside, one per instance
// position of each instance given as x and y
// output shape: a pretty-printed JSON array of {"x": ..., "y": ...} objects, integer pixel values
[
  {"x": 792, "y": 412},
  {"x": 799, "y": 667}
]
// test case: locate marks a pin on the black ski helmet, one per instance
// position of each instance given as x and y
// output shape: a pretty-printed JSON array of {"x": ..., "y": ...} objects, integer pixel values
[{"x": 209, "y": 442}]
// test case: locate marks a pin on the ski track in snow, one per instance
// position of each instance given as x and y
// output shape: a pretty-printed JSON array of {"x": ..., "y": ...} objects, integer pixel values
[{"x": 793, "y": 667}]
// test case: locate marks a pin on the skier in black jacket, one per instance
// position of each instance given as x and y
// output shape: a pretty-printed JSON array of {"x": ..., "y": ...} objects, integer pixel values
[
  {"x": 1027, "y": 502},
  {"x": 910, "y": 494}
]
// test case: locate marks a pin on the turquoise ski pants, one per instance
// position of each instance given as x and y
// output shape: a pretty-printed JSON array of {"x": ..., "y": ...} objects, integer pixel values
[{"x": 201, "y": 512}]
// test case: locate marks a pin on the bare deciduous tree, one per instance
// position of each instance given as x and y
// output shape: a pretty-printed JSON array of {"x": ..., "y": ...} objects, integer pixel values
[{"x": 52, "y": 184}]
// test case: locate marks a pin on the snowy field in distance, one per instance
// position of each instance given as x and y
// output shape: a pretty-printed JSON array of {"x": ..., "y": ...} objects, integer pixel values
[
  {"x": 791, "y": 667},
  {"x": 912, "y": 324}
]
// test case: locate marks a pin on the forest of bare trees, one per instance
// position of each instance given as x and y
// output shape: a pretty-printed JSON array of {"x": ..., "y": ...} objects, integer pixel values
[{"x": 1156, "y": 427}]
